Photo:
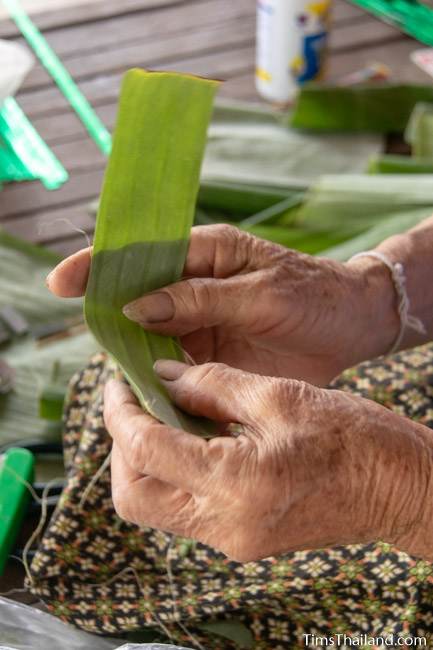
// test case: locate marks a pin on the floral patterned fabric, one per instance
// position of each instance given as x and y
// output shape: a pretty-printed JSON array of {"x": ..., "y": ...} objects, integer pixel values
[{"x": 107, "y": 576}]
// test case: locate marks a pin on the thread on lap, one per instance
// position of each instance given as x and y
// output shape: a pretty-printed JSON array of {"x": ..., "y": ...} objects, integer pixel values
[{"x": 94, "y": 480}]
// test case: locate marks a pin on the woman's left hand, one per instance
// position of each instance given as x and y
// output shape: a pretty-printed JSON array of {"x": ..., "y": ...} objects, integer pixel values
[{"x": 311, "y": 468}]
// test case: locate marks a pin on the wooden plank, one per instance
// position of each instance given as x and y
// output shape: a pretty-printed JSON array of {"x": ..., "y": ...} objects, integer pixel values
[
  {"x": 104, "y": 89},
  {"x": 395, "y": 56},
  {"x": 219, "y": 65},
  {"x": 53, "y": 225},
  {"x": 369, "y": 33},
  {"x": 90, "y": 13},
  {"x": 80, "y": 154},
  {"x": 235, "y": 33},
  {"x": 68, "y": 246},
  {"x": 27, "y": 198},
  {"x": 343, "y": 12},
  {"x": 110, "y": 52},
  {"x": 114, "y": 33},
  {"x": 120, "y": 30}
]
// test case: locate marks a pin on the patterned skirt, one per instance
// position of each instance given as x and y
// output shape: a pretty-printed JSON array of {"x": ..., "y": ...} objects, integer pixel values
[{"x": 110, "y": 577}]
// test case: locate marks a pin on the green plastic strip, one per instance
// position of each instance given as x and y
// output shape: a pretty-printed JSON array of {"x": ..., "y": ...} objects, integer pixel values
[
  {"x": 16, "y": 469},
  {"x": 23, "y": 153},
  {"x": 144, "y": 221},
  {"x": 61, "y": 76}
]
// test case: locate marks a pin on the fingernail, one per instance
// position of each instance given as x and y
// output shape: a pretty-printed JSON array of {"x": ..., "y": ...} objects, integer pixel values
[
  {"x": 48, "y": 278},
  {"x": 170, "y": 370},
  {"x": 154, "y": 308}
]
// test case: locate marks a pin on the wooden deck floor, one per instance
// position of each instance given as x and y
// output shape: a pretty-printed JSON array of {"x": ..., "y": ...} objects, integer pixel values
[{"x": 99, "y": 41}]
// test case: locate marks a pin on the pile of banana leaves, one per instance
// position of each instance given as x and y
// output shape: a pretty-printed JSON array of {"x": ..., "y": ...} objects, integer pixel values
[{"x": 322, "y": 184}]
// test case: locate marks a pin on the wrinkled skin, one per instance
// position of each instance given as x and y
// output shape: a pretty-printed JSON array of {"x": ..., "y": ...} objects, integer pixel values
[
  {"x": 295, "y": 478},
  {"x": 312, "y": 467},
  {"x": 260, "y": 307}
]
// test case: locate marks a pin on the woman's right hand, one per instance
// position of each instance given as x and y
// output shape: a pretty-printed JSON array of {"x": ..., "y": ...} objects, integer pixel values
[
  {"x": 311, "y": 468},
  {"x": 260, "y": 307}
]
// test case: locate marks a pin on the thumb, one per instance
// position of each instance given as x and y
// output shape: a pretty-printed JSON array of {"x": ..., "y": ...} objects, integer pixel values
[
  {"x": 69, "y": 278},
  {"x": 193, "y": 304},
  {"x": 217, "y": 391}
]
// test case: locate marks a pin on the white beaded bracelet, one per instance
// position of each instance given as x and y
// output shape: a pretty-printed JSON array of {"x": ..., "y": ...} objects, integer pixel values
[{"x": 399, "y": 279}]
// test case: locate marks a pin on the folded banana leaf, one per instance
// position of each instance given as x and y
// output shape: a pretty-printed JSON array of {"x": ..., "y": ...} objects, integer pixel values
[
  {"x": 255, "y": 146},
  {"x": 351, "y": 204},
  {"x": 393, "y": 164},
  {"x": 144, "y": 221},
  {"x": 368, "y": 109}
]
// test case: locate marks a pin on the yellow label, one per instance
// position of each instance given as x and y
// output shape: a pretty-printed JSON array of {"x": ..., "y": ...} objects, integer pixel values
[{"x": 262, "y": 74}]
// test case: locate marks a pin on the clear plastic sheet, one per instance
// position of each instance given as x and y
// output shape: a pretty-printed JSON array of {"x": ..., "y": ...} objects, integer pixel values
[
  {"x": 27, "y": 628},
  {"x": 150, "y": 646}
]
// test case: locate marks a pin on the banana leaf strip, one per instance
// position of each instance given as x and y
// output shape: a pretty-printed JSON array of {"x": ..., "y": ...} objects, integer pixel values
[
  {"x": 144, "y": 220},
  {"x": 275, "y": 211},
  {"x": 419, "y": 132},
  {"x": 238, "y": 198},
  {"x": 256, "y": 147},
  {"x": 365, "y": 108},
  {"x": 392, "y": 225},
  {"x": 353, "y": 203},
  {"x": 310, "y": 242},
  {"x": 394, "y": 164}
]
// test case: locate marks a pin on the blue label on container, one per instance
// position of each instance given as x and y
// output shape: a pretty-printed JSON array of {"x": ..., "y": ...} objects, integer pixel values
[{"x": 313, "y": 23}]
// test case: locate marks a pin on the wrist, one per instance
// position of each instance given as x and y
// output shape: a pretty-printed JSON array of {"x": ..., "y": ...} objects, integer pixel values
[
  {"x": 378, "y": 322},
  {"x": 401, "y": 482}
]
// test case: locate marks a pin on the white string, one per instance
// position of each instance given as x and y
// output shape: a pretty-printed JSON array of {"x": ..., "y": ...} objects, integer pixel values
[
  {"x": 94, "y": 480},
  {"x": 46, "y": 224},
  {"x": 407, "y": 321}
]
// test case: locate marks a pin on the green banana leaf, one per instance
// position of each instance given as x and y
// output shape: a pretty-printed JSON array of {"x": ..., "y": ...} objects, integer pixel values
[
  {"x": 144, "y": 220},
  {"x": 364, "y": 108},
  {"x": 23, "y": 269},
  {"x": 419, "y": 131},
  {"x": 255, "y": 146},
  {"x": 240, "y": 200},
  {"x": 386, "y": 227},
  {"x": 310, "y": 242},
  {"x": 393, "y": 164},
  {"x": 353, "y": 203}
]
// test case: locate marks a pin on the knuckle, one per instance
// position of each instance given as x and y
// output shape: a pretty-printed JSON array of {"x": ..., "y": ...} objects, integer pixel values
[
  {"x": 207, "y": 375},
  {"x": 226, "y": 231},
  {"x": 140, "y": 451}
]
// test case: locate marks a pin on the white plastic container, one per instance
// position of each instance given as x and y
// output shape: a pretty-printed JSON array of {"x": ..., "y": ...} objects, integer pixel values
[
  {"x": 291, "y": 44},
  {"x": 15, "y": 63}
]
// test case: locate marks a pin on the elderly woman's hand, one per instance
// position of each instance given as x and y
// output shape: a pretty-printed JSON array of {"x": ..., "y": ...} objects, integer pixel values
[
  {"x": 263, "y": 308},
  {"x": 311, "y": 468}
]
